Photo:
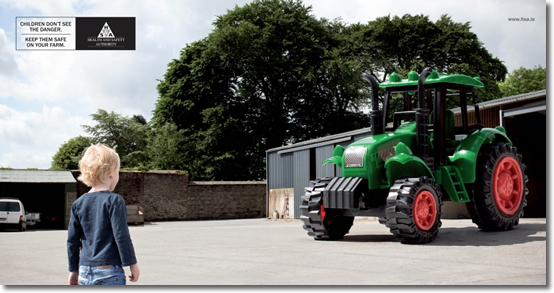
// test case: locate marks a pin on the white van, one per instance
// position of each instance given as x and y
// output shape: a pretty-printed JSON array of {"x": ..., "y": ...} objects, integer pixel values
[{"x": 12, "y": 214}]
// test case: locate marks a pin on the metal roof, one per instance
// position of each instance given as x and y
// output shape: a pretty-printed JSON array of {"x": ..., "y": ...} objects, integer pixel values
[
  {"x": 506, "y": 100},
  {"x": 322, "y": 140},
  {"x": 36, "y": 176}
]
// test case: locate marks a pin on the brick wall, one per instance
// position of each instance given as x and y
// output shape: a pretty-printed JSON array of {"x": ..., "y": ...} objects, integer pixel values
[{"x": 168, "y": 195}]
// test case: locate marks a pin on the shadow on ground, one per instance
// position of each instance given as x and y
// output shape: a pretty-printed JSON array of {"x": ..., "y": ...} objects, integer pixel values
[{"x": 469, "y": 236}]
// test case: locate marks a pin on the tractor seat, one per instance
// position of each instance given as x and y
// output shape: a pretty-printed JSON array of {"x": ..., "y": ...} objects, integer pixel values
[{"x": 450, "y": 133}]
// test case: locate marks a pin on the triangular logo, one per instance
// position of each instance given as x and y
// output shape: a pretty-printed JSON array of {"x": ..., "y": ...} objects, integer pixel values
[{"x": 106, "y": 32}]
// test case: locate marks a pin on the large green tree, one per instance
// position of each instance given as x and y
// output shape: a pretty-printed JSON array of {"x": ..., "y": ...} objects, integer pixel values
[
  {"x": 197, "y": 97},
  {"x": 165, "y": 148},
  {"x": 138, "y": 144},
  {"x": 524, "y": 80},
  {"x": 414, "y": 42},
  {"x": 267, "y": 75},
  {"x": 270, "y": 73},
  {"x": 69, "y": 153},
  {"x": 127, "y": 135}
]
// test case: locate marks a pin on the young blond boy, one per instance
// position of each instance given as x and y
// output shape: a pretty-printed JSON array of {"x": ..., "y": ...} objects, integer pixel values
[{"x": 98, "y": 243}]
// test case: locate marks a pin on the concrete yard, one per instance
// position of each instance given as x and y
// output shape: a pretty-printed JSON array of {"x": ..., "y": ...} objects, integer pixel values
[{"x": 268, "y": 252}]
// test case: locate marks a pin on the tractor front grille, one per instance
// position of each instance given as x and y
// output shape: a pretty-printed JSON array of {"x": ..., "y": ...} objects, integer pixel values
[{"x": 354, "y": 156}]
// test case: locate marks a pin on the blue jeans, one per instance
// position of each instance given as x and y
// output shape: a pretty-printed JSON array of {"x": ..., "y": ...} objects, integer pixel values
[{"x": 103, "y": 275}]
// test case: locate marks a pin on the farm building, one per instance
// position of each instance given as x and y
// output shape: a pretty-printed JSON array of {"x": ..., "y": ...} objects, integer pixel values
[{"x": 47, "y": 192}]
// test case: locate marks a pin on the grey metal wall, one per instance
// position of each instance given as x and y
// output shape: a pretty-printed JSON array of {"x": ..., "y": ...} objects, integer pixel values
[
  {"x": 301, "y": 163},
  {"x": 272, "y": 170},
  {"x": 280, "y": 170},
  {"x": 361, "y": 136},
  {"x": 322, "y": 154}
]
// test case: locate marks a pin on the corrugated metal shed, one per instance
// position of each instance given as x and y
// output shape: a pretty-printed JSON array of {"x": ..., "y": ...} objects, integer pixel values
[
  {"x": 322, "y": 154},
  {"x": 279, "y": 168},
  {"x": 301, "y": 165},
  {"x": 36, "y": 176}
]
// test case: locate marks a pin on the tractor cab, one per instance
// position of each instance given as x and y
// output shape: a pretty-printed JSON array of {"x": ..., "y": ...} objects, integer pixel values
[{"x": 424, "y": 104}]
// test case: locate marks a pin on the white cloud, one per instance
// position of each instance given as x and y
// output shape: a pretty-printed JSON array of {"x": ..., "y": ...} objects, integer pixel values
[
  {"x": 26, "y": 157},
  {"x": 51, "y": 8},
  {"x": 120, "y": 81},
  {"x": 8, "y": 66},
  {"x": 30, "y": 139}
]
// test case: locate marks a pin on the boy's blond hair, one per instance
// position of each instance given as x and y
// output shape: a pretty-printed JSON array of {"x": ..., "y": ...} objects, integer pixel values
[{"x": 97, "y": 162}]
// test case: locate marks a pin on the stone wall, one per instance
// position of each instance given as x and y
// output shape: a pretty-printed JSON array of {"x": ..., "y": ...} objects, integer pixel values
[
  {"x": 130, "y": 186},
  {"x": 165, "y": 196},
  {"x": 226, "y": 200},
  {"x": 169, "y": 196}
]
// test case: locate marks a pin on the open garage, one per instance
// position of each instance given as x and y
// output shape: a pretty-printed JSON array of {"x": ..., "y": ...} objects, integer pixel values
[{"x": 41, "y": 191}]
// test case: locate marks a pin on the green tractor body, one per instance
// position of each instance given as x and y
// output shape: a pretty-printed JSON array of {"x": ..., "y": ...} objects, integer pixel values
[{"x": 406, "y": 169}]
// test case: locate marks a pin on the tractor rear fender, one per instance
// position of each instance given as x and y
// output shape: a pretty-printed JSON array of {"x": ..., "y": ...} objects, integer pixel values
[
  {"x": 405, "y": 164},
  {"x": 465, "y": 155}
]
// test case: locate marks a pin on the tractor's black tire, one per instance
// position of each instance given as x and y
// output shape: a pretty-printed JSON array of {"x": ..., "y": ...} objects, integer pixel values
[
  {"x": 409, "y": 226},
  {"x": 486, "y": 207},
  {"x": 333, "y": 226}
]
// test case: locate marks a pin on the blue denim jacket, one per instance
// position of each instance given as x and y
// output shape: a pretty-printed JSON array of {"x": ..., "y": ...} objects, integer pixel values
[{"x": 98, "y": 227}]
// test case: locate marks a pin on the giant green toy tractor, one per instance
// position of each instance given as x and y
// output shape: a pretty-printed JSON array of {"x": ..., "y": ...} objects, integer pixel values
[{"x": 406, "y": 169}]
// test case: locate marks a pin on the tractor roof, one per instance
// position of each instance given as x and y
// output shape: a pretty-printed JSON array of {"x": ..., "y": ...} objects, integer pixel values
[{"x": 433, "y": 78}]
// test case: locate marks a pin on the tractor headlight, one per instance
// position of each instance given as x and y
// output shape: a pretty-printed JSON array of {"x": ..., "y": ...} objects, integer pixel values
[{"x": 354, "y": 156}]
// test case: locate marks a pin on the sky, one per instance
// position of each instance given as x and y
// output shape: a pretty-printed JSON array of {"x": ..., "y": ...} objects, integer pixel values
[{"x": 45, "y": 96}]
